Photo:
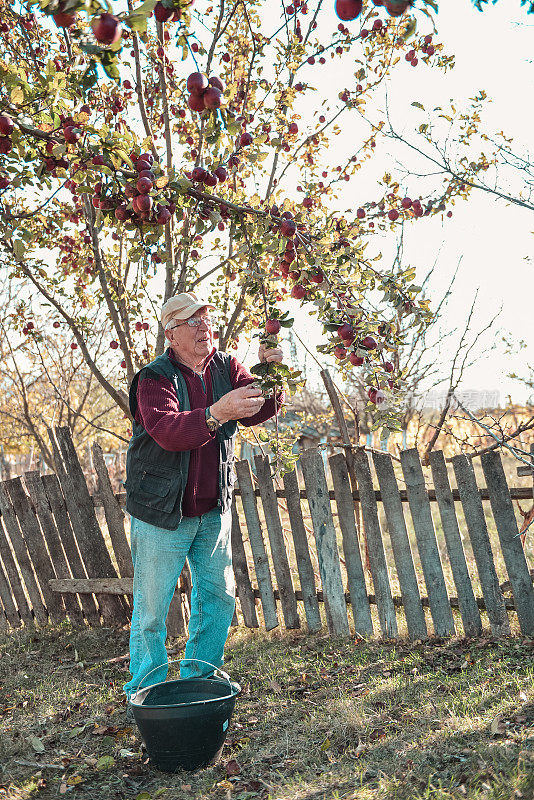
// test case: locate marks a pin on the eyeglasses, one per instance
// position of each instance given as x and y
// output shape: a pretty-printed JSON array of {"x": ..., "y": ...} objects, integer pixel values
[{"x": 195, "y": 322}]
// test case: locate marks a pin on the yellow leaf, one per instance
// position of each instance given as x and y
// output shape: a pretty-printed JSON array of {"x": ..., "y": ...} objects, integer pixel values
[
  {"x": 74, "y": 780},
  {"x": 325, "y": 745},
  {"x": 17, "y": 95}
]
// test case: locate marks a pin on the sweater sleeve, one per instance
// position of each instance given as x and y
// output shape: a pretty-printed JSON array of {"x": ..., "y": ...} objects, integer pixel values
[
  {"x": 159, "y": 412},
  {"x": 241, "y": 377}
]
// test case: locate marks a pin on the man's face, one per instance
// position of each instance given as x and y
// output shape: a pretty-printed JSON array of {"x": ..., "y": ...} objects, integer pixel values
[{"x": 191, "y": 344}]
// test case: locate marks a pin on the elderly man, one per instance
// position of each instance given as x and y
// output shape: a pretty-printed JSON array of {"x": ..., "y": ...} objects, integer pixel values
[{"x": 186, "y": 405}]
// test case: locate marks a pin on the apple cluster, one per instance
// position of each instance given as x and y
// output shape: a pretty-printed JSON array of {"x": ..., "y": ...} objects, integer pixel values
[
  {"x": 204, "y": 93},
  {"x": 351, "y": 9},
  {"x": 142, "y": 207},
  {"x": 357, "y": 348}
]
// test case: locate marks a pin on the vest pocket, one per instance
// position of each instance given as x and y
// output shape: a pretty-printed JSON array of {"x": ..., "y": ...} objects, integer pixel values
[{"x": 156, "y": 487}]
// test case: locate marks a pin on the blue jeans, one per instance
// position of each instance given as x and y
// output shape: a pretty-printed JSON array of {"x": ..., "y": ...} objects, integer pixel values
[{"x": 158, "y": 557}]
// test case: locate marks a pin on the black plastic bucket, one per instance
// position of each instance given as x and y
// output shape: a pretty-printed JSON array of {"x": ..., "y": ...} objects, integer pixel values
[{"x": 184, "y": 722}]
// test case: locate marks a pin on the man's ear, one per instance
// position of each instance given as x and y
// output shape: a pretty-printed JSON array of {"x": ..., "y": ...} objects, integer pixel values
[{"x": 168, "y": 335}]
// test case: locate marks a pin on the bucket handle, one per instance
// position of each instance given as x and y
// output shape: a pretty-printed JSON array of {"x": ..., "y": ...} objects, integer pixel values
[{"x": 174, "y": 661}]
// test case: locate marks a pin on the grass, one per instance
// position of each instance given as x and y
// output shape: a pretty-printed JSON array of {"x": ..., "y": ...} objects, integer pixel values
[{"x": 318, "y": 719}]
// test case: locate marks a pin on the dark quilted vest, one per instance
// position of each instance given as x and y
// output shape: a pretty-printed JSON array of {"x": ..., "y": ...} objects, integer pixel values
[{"x": 156, "y": 478}]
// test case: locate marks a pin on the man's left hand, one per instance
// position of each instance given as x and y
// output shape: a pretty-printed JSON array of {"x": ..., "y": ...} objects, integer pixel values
[{"x": 270, "y": 354}]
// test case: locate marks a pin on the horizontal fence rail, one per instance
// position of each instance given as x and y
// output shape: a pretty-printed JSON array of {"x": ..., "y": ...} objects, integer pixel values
[{"x": 359, "y": 555}]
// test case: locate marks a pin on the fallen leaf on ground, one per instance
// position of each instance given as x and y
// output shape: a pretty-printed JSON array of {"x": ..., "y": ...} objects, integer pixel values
[{"x": 232, "y": 768}]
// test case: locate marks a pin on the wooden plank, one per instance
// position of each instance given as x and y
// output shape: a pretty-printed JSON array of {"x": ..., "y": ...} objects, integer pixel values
[
  {"x": 33, "y": 536},
  {"x": 325, "y": 539},
  {"x": 377, "y": 556},
  {"x": 7, "y": 605},
  {"x": 84, "y": 522},
  {"x": 478, "y": 533},
  {"x": 511, "y": 547},
  {"x": 114, "y": 515},
  {"x": 276, "y": 540},
  {"x": 46, "y": 520},
  {"x": 257, "y": 544},
  {"x": 3, "y": 621},
  {"x": 400, "y": 543},
  {"x": 11, "y": 526},
  {"x": 13, "y": 577},
  {"x": 361, "y": 611},
  {"x": 242, "y": 578},
  {"x": 302, "y": 553},
  {"x": 125, "y": 586},
  {"x": 469, "y": 612},
  {"x": 59, "y": 510},
  {"x": 440, "y": 608},
  {"x": 516, "y": 493}
]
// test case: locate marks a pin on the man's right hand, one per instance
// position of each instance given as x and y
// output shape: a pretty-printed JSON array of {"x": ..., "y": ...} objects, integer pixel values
[{"x": 238, "y": 404}]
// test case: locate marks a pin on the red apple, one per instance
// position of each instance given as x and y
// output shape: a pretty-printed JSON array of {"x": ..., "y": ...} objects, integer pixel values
[
  {"x": 106, "y": 29},
  {"x": 272, "y": 326},
  {"x": 288, "y": 228},
  {"x": 298, "y": 291},
  {"x": 371, "y": 394},
  {"x": 142, "y": 164},
  {"x": 360, "y": 213},
  {"x": 144, "y": 203},
  {"x": 212, "y": 97},
  {"x": 293, "y": 128},
  {"x": 368, "y": 342},
  {"x": 144, "y": 185},
  {"x": 164, "y": 216},
  {"x": 121, "y": 213},
  {"x": 396, "y": 8},
  {"x": 71, "y": 134},
  {"x": 317, "y": 277},
  {"x": 346, "y": 331},
  {"x": 4, "y": 182},
  {"x": 6, "y": 125},
  {"x": 245, "y": 139},
  {"x": 393, "y": 214},
  {"x": 210, "y": 180},
  {"x": 198, "y": 174},
  {"x": 114, "y": 345},
  {"x": 197, "y": 82},
  {"x": 356, "y": 360},
  {"x": 388, "y": 366},
  {"x": 64, "y": 19},
  {"x": 161, "y": 13},
  {"x": 348, "y": 9},
  {"x": 340, "y": 352},
  {"x": 6, "y": 144},
  {"x": 56, "y": 324},
  {"x": 216, "y": 82},
  {"x": 221, "y": 174},
  {"x": 196, "y": 102}
]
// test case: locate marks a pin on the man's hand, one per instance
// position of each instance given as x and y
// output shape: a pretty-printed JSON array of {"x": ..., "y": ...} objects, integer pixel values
[
  {"x": 238, "y": 404},
  {"x": 270, "y": 354}
]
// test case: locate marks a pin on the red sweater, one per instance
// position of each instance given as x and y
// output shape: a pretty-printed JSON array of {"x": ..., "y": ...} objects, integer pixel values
[{"x": 159, "y": 413}]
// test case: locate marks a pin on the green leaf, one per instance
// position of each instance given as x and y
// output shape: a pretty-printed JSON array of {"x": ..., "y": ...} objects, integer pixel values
[
  {"x": 137, "y": 19},
  {"x": 20, "y": 248},
  {"x": 105, "y": 762},
  {"x": 418, "y": 105}
]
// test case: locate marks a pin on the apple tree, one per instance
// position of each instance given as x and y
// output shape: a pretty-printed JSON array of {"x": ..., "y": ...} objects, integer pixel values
[{"x": 156, "y": 148}]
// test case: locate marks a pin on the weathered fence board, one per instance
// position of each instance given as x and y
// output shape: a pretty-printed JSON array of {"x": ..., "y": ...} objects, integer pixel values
[
  {"x": 257, "y": 545},
  {"x": 114, "y": 515},
  {"x": 440, "y": 608},
  {"x": 511, "y": 547},
  {"x": 302, "y": 552},
  {"x": 400, "y": 543},
  {"x": 23, "y": 559},
  {"x": 84, "y": 523},
  {"x": 12, "y": 576},
  {"x": 33, "y": 536},
  {"x": 466, "y": 597},
  {"x": 276, "y": 539},
  {"x": 57, "y": 556},
  {"x": 63, "y": 525},
  {"x": 242, "y": 578},
  {"x": 7, "y": 606},
  {"x": 361, "y": 611},
  {"x": 325, "y": 537},
  {"x": 377, "y": 556},
  {"x": 478, "y": 533}
]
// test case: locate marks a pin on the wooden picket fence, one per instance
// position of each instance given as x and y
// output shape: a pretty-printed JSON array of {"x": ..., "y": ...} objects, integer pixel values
[{"x": 363, "y": 566}]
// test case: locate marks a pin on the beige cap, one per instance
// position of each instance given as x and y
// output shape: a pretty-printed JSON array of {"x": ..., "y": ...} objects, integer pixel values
[{"x": 182, "y": 306}]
